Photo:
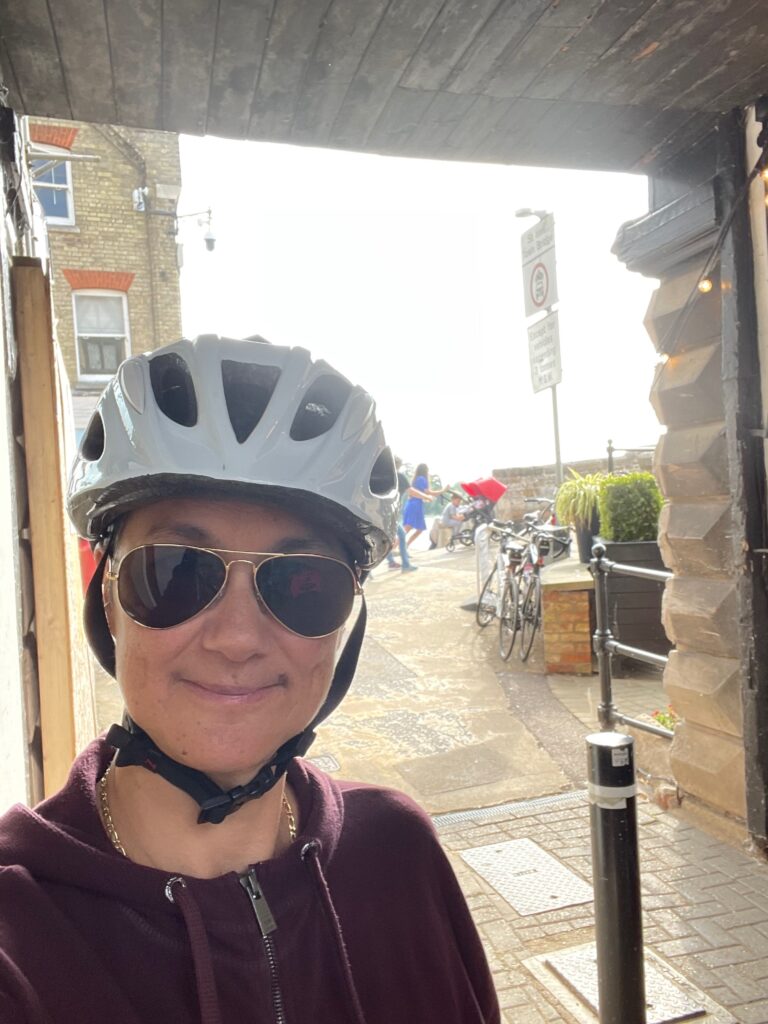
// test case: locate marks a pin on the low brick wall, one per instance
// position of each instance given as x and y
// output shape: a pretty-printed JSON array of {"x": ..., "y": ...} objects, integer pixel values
[{"x": 566, "y": 625}]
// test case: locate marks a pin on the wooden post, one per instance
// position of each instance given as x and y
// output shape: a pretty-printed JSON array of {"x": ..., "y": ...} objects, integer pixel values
[{"x": 66, "y": 704}]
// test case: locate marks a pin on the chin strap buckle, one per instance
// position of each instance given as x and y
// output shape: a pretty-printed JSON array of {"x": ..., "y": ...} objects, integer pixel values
[{"x": 135, "y": 747}]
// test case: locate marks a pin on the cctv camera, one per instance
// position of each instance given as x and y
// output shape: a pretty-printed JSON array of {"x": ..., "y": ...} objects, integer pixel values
[{"x": 210, "y": 240}]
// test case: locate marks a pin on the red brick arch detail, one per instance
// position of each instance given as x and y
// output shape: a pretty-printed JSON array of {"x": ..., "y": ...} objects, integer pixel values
[
  {"x": 111, "y": 280},
  {"x": 53, "y": 135}
]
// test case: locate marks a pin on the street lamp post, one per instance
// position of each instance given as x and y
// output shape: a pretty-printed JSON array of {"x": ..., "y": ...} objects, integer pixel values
[{"x": 540, "y": 215}]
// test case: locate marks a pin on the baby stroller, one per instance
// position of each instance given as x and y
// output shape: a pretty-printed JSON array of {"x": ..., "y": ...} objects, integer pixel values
[{"x": 484, "y": 494}]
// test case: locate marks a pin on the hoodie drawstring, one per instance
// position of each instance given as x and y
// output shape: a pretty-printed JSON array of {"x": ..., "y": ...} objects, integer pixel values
[
  {"x": 177, "y": 892},
  {"x": 309, "y": 854},
  {"x": 210, "y": 1013}
]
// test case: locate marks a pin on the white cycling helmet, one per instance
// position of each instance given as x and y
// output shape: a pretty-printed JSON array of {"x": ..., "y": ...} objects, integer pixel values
[
  {"x": 243, "y": 418},
  {"x": 246, "y": 417}
]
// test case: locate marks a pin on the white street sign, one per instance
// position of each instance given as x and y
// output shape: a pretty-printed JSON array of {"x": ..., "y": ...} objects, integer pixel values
[
  {"x": 544, "y": 352},
  {"x": 539, "y": 273}
]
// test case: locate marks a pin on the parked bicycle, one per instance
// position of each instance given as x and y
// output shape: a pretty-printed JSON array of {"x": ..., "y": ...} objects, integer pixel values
[
  {"x": 512, "y": 591},
  {"x": 543, "y": 542},
  {"x": 544, "y": 515},
  {"x": 511, "y": 549}
]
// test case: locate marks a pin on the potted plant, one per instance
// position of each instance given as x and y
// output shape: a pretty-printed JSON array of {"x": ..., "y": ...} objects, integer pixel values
[
  {"x": 629, "y": 507},
  {"x": 576, "y": 505}
]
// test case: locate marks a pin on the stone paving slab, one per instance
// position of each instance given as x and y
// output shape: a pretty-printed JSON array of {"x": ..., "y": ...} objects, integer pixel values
[{"x": 705, "y": 907}]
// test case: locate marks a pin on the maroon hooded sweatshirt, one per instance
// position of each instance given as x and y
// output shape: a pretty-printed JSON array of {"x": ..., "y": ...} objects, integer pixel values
[{"x": 359, "y": 921}]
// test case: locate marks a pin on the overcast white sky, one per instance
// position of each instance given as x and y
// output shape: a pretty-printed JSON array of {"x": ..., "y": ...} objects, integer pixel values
[{"x": 405, "y": 275}]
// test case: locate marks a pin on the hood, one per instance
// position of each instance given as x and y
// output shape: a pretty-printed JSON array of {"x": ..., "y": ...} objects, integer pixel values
[{"x": 59, "y": 852}]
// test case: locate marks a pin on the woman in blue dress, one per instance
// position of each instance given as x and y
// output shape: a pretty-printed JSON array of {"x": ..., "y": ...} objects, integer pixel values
[{"x": 414, "y": 523}]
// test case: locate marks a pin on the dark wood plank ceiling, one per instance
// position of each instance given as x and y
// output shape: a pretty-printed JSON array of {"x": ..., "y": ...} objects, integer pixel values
[{"x": 613, "y": 84}]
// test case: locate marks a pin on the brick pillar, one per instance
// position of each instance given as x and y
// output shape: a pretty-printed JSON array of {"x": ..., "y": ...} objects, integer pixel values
[
  {"x": 566, "y": 630},
  {"x": 706, "y": 392},
  {"x": 700, "y": 603}
]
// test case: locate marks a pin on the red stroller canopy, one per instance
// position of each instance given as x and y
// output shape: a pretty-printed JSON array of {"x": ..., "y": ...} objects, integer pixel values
[{"x": 485, "y": 487}]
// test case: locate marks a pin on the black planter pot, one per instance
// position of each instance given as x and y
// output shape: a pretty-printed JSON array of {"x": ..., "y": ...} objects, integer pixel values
[
  {"x": 586, "y": 536},
  {"x": 584, "y": 541},
  {"x": 634, "y": 605}
]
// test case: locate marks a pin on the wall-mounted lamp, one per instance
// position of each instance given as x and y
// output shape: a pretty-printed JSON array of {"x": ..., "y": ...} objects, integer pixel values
[{"x": 140, "y": 199}]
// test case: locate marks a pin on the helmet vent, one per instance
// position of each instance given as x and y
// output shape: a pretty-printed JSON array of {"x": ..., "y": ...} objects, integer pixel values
[
  {"x": 321, "y": 407},
  {"x": 174, "y": 388},
  {"x": 383, "y": 474},
  {"x": 92, "y": 444},
  {"x": 248, "y": 388}
]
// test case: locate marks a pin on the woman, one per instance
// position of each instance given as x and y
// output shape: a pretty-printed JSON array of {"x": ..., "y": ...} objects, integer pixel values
[
  {"x": 419, "y": 492},
  {"x": 194, "y": 868}
]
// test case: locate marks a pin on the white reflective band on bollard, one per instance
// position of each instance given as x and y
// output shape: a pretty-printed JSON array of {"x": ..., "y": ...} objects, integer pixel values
[{"x": 610, "y": 798}]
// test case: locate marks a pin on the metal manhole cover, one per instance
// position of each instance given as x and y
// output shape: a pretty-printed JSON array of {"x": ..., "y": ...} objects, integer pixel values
[
  {"x": 571, "y": 977},
  {"x": 666, "y": 1002},
  {"x": 530, "y": 879}
]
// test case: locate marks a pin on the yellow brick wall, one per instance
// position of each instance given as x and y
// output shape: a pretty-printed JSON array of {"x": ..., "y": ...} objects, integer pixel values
[
  {"x": 566, "y": 624},
  {"x": 108, "y": 235}
]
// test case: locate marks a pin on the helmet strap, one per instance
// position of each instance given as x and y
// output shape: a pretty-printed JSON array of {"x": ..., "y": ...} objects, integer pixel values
[
  {"x": 95, "y": 619},
  {"x": 136, "y": 747}
]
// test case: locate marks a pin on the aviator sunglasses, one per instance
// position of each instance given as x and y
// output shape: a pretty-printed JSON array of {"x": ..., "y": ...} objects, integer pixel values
[{"x": 163, "y": 585}]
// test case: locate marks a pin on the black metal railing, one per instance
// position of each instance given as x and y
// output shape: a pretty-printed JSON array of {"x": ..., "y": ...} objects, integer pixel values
[
  {"x": 611, "y": 449},
  {"x": 605, "y": 645}
]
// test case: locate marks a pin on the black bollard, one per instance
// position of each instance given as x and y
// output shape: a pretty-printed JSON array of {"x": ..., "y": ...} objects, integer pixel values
[{"x": 616, "y": 873}]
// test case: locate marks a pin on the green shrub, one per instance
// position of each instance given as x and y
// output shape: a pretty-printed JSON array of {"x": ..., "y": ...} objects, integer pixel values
[{"x": 629, "y": 507}]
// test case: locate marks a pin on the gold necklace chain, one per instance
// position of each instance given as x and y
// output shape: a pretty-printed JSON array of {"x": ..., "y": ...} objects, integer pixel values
[
  {"x": 114, "y": 838},
  {"x": 106, "y": 814}
]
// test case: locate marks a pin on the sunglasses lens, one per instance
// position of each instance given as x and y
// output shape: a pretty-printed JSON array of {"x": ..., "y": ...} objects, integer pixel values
[
  {"x": 162, "y": 585},
  {"x": 312, "y": 596}
]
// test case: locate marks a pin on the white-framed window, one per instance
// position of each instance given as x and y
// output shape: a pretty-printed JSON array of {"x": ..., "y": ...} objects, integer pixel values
[
  {"x": 52, "y": 179},
  {"x": 101, "y": 332}
]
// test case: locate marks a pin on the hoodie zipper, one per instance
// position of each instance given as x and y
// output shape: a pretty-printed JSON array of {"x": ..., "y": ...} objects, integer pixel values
[{"x": 267, "y": 925}]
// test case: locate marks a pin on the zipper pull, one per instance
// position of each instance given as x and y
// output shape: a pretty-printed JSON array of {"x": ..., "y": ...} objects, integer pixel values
[{"x": 266, "y": 921}]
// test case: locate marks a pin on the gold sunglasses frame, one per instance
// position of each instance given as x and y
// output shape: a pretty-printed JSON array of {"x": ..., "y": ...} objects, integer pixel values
[{"x": 112, "y": 572}]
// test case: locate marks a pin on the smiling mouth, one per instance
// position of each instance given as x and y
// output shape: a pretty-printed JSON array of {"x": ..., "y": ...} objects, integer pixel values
[{"x": 234, "y": 694}]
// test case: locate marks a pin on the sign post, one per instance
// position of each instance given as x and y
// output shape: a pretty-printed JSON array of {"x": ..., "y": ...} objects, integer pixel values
[{"x": 540, "y": 293}]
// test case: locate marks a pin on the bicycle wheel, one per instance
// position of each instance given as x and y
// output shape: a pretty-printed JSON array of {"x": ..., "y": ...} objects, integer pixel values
[
  {"x": 489, "y": 600},
  {"x": 509, "y": 620},
  {"x": 530, "y": 613}
]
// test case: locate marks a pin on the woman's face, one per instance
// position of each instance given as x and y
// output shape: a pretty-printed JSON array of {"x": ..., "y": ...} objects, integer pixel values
[{"x": 222, "y": 691}]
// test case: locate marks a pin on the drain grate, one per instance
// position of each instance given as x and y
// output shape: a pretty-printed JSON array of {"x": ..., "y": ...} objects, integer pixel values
[
  {"x": 530, "y": 879},
  {"x": 517, "y": 809}
]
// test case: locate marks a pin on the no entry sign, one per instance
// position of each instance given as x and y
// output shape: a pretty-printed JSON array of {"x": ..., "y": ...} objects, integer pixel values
[{"x": 539, "y": 273}]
